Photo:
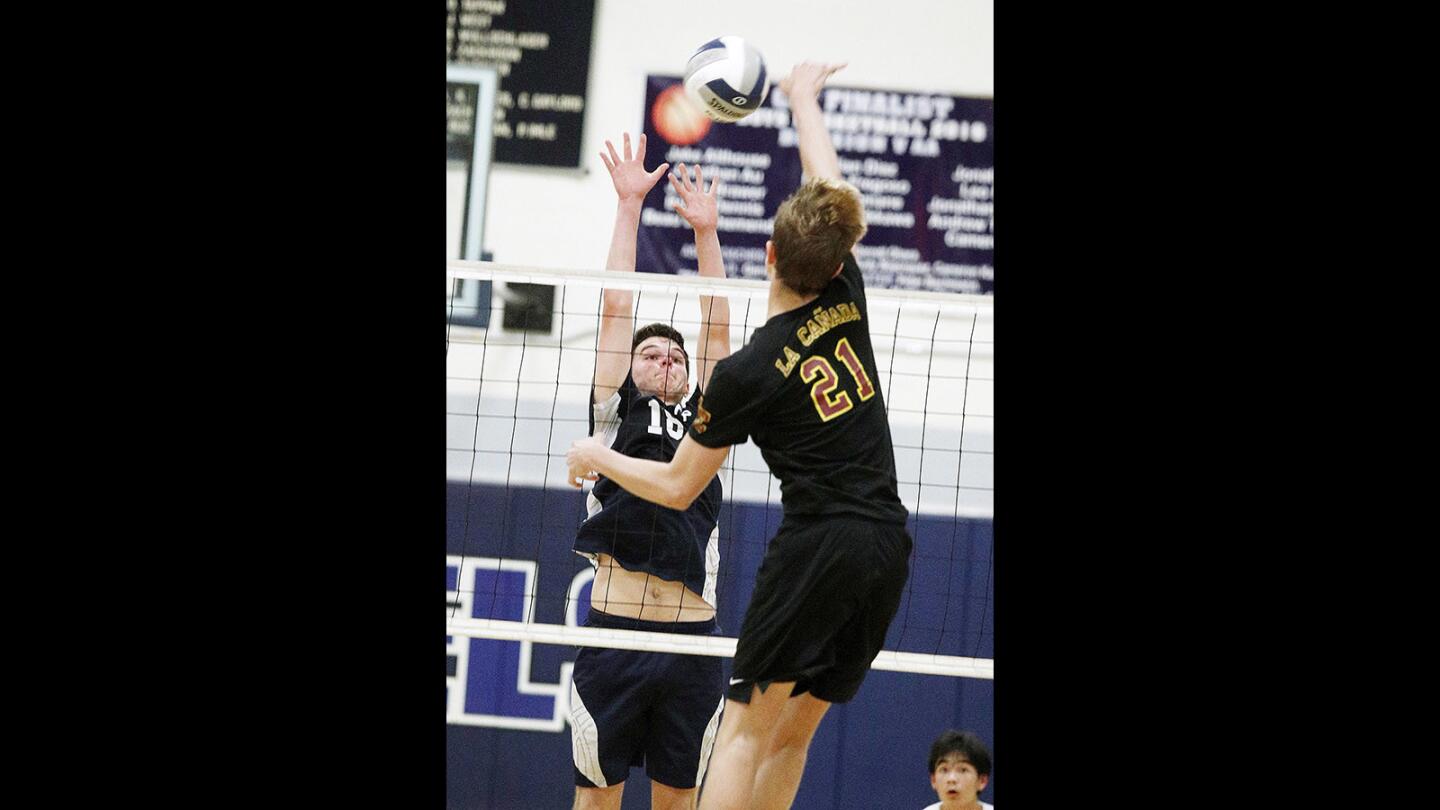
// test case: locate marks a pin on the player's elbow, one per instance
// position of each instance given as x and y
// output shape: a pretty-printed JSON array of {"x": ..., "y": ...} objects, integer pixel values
[
  {"x": 617, "y": 302},
  {"x": 681, "y": 494},
  {"x": 679, "y": 501}
]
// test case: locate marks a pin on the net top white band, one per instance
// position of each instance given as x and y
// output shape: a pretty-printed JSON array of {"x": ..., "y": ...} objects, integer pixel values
[
  {"x": 718, "y": 646},
  {"x": 982, "y": 305}
]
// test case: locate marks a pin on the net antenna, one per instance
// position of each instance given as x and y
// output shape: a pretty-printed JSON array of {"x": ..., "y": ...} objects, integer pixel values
[{"x": 517, "y": 398}]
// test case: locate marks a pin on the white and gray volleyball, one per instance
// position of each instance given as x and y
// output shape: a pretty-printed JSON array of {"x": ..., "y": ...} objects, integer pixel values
[{"x": 727, "y": 77}]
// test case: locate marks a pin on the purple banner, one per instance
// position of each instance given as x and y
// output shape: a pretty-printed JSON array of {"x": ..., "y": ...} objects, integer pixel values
[{"x": 924, "y": 163}]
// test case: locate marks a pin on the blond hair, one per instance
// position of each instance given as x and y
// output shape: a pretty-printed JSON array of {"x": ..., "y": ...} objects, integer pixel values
[{"x": 814, "y": 229}]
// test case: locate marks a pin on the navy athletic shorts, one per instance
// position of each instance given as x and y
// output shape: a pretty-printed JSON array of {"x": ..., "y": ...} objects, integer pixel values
[
  {"x": 654, "y": 710},
  {"x": 824, "y": 597}
]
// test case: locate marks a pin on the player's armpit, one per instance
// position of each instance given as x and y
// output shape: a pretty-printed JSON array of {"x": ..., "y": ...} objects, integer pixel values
[{"x": 729, "y": 408}]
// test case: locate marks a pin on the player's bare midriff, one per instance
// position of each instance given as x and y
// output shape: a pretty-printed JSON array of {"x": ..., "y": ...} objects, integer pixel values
[{"x": 638, "y": 595}]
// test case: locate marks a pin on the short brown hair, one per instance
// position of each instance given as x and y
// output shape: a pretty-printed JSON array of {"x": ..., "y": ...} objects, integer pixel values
[{"x": 814, "y": 229}]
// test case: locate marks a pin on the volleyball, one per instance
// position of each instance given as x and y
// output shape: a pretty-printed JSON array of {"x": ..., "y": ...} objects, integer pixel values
[{"x": 727, "y": 77}]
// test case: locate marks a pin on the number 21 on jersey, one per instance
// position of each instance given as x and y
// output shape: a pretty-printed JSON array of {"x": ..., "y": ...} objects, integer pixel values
[{"x": 828, "y": 403}]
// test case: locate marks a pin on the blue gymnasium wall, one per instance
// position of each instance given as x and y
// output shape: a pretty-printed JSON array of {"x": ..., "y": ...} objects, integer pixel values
[{"x": 868, "y": 753}]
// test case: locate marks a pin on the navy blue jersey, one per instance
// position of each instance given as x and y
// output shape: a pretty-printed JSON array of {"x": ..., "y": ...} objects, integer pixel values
[
  {"x": 806, "y": 389},
  {"x": 676, "y": 545}
]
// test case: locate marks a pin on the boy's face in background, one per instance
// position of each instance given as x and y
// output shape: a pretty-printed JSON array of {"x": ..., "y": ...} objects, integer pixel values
[{"x": 955, "y": 779}]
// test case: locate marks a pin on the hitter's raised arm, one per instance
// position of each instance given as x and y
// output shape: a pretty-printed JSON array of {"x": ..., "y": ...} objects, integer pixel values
[{"x": 802, "y": 87}]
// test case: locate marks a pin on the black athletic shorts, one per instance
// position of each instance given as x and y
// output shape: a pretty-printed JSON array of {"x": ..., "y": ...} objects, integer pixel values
[
  {"x": 824, "y": 597},
  {"x": 630, "y": 708}
]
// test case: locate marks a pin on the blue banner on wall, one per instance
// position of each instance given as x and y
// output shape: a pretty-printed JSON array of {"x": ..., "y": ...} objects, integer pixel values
[{"x": 924, "y": 163}]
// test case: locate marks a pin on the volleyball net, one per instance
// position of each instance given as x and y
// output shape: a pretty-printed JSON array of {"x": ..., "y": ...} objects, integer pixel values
[{"x": 521, "y": 345}]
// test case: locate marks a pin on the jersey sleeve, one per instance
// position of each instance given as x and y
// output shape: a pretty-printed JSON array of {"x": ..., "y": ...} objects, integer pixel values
[
  {"x": 612, "y": 411},
  {"x": 604, "y": 414},
  {"x": 726, "y": 410}
]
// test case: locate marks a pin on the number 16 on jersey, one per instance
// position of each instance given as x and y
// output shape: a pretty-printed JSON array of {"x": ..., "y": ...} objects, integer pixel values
[{"x": 673, "y": 426}]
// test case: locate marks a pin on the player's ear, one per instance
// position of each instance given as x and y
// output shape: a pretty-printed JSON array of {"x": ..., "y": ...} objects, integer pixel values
[
  {"x": 838, "y": 270},
  {"x": 769, "y": 253},
  {"x": 982, "y": 782}
]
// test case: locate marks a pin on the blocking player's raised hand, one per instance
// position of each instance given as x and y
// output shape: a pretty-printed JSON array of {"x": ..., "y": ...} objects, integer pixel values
[
  {"x": 627, "y": 171},
  {"x": 697, "y": 205},
  {"x": 700, "y": 206},
  {"x": 632, "y": 183}
]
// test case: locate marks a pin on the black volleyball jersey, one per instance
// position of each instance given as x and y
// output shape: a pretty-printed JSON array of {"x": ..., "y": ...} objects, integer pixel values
[
  {"x": 805, "y": 387},
  {"x": 672, "y": 544}
]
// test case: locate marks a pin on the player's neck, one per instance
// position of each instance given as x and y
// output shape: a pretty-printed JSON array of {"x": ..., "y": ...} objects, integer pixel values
[{"x": 784, "y": 299}]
